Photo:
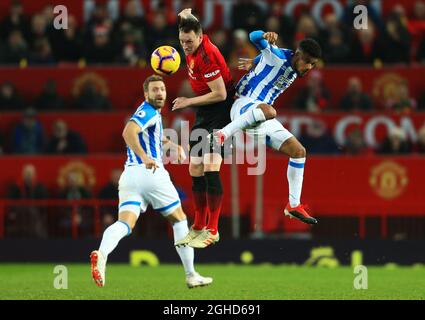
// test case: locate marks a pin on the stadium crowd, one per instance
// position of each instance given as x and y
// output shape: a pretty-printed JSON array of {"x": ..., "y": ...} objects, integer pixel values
[{"x": 128, "y": 39}]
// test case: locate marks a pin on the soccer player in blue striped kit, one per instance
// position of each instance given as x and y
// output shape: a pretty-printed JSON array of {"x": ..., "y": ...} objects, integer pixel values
[
  {"x": 270, "y": 73},
  {"x": 145, "y": 181}
]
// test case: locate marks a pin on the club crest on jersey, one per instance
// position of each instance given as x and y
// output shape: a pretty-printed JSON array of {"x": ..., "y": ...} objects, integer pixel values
[{"x": 192, "y": 64}]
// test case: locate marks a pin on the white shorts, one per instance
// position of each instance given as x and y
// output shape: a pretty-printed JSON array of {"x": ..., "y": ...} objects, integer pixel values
[
  {"x": 139, "y": 187},
  {"x": 276, "y": 133}
]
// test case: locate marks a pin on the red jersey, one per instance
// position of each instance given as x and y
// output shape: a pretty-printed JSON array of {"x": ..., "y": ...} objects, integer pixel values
[{"x": 205, "y": 65}]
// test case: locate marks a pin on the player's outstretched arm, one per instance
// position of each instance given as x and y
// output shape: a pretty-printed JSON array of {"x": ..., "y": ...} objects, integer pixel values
[
  {"x": 218, "y": 93},
  {"x": 131, "y": 138}
]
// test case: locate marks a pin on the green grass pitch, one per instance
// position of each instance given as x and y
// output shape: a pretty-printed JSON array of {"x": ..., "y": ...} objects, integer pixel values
[{"x": 253, "y": 282}]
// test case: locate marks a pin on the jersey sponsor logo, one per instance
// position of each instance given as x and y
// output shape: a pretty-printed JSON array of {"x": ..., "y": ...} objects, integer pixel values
[
  {"x": 283, "y": 82},
  {"x": 212, "y": 74}
]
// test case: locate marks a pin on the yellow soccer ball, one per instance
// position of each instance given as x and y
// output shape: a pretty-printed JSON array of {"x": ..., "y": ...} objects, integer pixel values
[{"x": 165, "y": 60}]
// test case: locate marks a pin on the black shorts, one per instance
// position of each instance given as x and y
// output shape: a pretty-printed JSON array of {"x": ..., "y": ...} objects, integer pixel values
[{"x": 208, "y": 119}]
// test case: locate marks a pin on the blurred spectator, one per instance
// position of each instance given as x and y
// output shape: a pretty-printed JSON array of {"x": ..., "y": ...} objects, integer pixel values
[
  {"x": 9, "y": 98},
  {"x": 306, "y": 28},
  {"x": 28, "y": 187},
  {"x": 131, "y": 19},
  {"x": 365, "y": 46},
  {"x": 75, "y": 189},
  {"x": 420, "y": 145},
  {"x": 278, "y": 20},
  {"x": 242, "y": 48},
  {"x": 15, "y": 20},
  {"x": 416, "y": 26},
  {"x": 355, "y": 144},
  {"x": 332, "y": 24},
  {"x": 110, "y": 192},
  {"x": 396, "y": 39},
  {"x": 355, "y": 99},
  {"x": 160, "y": 32},
  {"x": 101, "y": 49},
  {"x": 247, "y": 15},
  {"x": 402, "y": 101},
  {"x": 336, "y": 51},
  {"x": 99, "y": 19},
  {"x": 42, "y": 54},
  {"x": 38, "y": 29},
  {"x": 318, "y": 140},
  {"x": 395, "y": 142},
  {"x": 49, "y": 99},
  {"x": 28, "y": 136},
  {"x": 65, "y": 141},
  {"x": 314, "y": 97},
  {"x": 67, "y": 43},
  {"x": 15, "y": 50},
  {"x": 91, "y": 100},
  {"x": 27, "y": 220},
  {"x": 219, "y": 38},
  {"x": 131, "y": 50}
]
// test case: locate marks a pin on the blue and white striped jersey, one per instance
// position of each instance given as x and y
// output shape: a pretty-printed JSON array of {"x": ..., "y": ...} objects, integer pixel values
[
  {"x": 272, "y": 75},
  {"x": 150, "y": 121}
]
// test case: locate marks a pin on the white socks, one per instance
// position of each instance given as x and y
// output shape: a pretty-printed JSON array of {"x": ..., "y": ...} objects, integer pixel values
[
  {"x": 115, "y": 232},
  {"x": 246, "y": 120},
  {"x": 295, "y": 175},
  {"x": 112, "y": 235},
  {"x": 186, "y": 253}
]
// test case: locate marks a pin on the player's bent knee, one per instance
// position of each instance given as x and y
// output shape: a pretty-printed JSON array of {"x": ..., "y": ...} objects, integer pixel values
[
  {"x": 269, "y": 111},
  {"x": 128, "y": 217},
  {"x": 299, "y": 152},
  {"x": 176, "y": 216},
  {"x": 196, "y": 170}
]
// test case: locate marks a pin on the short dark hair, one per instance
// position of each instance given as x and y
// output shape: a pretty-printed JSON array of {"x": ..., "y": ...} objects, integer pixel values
[
  {"x": 150, "y": 79},
  {"x": 188, "y": 25},
  {"x": 311, "y": 47}
]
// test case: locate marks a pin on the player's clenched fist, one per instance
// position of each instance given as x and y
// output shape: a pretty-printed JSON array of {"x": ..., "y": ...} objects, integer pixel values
[{"x": 271, "y": 37}]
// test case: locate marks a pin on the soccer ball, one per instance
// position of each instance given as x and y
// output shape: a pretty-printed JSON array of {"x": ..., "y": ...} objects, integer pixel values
[{"x": 165, "y": 60}]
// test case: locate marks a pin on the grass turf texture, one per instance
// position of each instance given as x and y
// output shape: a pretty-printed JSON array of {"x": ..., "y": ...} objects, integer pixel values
[{"x": 256, "y": 282}]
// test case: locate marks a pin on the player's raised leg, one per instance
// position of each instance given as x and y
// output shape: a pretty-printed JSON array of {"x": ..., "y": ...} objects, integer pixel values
[
  {"x": 280, "y": 139},
  {"x": 186, "y": 253},
  {"x": 295, "y": 174},
  {"x": 111, "y": 237},
  {"x": 247, "y": 117}
]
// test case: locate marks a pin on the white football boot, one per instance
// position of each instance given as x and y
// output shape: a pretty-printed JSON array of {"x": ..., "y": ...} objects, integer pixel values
[{"x": 195, "y": 280}]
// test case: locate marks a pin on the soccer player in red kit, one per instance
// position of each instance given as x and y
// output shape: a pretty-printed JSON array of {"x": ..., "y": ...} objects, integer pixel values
[{"x": 212, "y": 83}]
